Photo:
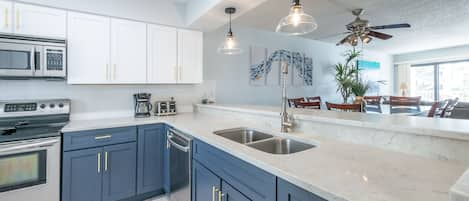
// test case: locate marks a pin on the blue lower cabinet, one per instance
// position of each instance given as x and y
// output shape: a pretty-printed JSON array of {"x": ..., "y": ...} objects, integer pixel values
[
  {"x": 150, "y": 160},
  {"x": 120, "y": 171},
  {"x": 205, "y": 184},
  {"x": 82, "y": 175},
  {"x": 231, "y": 194},
  {"x": 289, "y": 192}
]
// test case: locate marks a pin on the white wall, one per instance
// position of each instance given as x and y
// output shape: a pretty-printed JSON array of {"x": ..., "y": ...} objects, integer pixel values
[
  {"x": 436, "y": 55},
  {"x": 166, "y": 12},
  {"x": 231, "y": 73}
]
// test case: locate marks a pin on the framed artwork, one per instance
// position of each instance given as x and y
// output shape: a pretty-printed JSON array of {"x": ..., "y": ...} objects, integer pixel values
[{"x": 265, "y": 67}]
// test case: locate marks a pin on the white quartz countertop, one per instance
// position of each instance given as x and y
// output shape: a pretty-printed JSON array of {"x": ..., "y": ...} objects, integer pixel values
[
  {"x": 439, "y": 127},
  {"x": 335, "y": 170}
]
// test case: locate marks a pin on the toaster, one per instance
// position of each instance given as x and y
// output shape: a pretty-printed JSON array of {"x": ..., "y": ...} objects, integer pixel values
[{"x": 163, "y": 108}]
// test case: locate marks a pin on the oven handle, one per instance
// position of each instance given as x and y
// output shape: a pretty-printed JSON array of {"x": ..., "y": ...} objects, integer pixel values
[{"x": 20, "y": 147}]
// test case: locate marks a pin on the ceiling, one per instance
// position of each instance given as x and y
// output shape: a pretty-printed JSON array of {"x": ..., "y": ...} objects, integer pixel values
[{"x": 435, "y": 23}]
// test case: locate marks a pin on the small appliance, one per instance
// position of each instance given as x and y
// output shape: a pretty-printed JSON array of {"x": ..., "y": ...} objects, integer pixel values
[
  {"x": 27, "y": 57},
  {"x": 30, "y": 143},
  {"x": 164, "y": 108},
  {"x": 143, "y": 105}
]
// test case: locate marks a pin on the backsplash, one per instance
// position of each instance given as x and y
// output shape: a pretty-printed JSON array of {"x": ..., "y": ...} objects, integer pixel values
[{"x": 106, "y": 99}]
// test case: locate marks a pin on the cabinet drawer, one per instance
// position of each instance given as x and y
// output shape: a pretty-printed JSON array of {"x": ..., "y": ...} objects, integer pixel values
[
  {"x": 251, "y": 181},
  {"x": 101, "y": 137}
]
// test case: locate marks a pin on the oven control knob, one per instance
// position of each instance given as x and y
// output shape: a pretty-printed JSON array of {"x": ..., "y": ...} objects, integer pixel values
[
  {"x": 61, "y": 105},
  {"x": 42, "y": 106},
  {"x": 52, "y": 105}
]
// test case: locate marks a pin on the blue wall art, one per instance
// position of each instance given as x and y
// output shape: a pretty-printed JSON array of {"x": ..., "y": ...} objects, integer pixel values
[
  {"x": 368, "y": 65},
  {"x": 265, "y": 67}
]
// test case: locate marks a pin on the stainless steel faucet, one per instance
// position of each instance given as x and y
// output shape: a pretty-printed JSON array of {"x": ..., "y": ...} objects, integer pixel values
[{"x": 286, "y": 122}]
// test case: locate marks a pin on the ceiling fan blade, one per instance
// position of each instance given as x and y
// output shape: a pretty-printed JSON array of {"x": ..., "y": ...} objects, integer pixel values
[
  {"x": 379, "y": 35},
  {"x": 346, "y": 39},
  {"x": 391, "y": 26}
]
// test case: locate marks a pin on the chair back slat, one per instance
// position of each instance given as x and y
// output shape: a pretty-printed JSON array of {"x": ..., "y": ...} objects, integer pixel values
[
  {"x": 309, "y": 105},
  {"x": 400, "y": 104},
  {"x": 292, "y": 102},
  {"x": 344, "y": 107},
  {"x": 373, "y": 103},
  {"x": 314, "y": 99}
]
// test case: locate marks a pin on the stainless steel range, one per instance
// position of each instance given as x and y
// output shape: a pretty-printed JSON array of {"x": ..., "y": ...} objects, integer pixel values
[{"x": 30, "y": 149}]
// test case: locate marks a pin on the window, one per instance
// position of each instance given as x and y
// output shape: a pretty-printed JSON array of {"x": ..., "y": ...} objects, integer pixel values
[{"x": 440, "y": 81}]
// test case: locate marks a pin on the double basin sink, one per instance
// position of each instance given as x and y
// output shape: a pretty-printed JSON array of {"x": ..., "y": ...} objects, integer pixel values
[{"x": 263, "y": 141}]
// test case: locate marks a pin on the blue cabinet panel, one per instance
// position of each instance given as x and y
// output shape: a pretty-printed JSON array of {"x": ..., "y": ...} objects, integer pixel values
[
  {"x": 150, "y": 165},
  {"x": 231, "y": 194},
  {"x": 253, "y": 182},
  {"x": 81, "y": 175},
  {"x": 289, "y": 192},
  {"x": 203, "y": 183},
  {"x": 97, "y": 138},
  {"x": 120, "y": 171}
]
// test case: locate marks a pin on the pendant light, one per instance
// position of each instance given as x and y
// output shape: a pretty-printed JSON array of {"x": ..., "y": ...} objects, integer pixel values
[
  {"x": 297, "y": 22},
  {"x": 230, "y": 46}
]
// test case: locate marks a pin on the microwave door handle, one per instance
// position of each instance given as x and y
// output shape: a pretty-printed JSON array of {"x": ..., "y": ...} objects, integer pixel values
[{"x": 32, "y": 60}]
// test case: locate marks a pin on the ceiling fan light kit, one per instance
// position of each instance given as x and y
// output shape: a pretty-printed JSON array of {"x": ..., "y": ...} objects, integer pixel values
[
  {"x": 297, "y": 22},
  {"x": 230, "y": 45},
  {"x": 360, "y": 30}
]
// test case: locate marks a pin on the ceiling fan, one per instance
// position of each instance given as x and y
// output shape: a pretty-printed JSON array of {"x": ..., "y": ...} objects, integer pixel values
[{"x": 360, "y": 29}]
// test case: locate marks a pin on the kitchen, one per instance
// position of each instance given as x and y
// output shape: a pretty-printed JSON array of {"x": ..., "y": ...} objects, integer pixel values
[{"x": 121, "y": 100}]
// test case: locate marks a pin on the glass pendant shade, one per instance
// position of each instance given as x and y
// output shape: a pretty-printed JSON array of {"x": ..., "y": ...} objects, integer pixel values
[
  {"x": 297, "y": 22},
  {"x": 230, "y": 46}
]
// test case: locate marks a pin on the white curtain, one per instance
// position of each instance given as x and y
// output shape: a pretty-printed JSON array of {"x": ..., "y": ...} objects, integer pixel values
[{"x": 402, "y": 77}]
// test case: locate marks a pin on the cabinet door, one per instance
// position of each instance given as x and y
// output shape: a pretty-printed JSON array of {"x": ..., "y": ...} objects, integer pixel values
[
  {"x": 82, "y": 175},
  {"x": 231, "y": 194},
  {"x": 128, "y": 52},
  {"x": 190, "y": 56},
  {"x": 88, "y": 49},
  {"x": 120, "y": 171},
  {"x": 151, "y": 145},
  {"x": 162, "y": 54},
  {"x": 40, "y": 21},
  {"x": 6, "y": 16},
  {"x": 205, "y": 184},
  {"x": 289, "y": 192}
]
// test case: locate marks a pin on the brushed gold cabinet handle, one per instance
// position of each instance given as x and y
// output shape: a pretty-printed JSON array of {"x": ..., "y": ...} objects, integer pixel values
[
  {"x": 18, "y": 18},
  {"x": 214, "y": 193},
  {"x": 6, "y": 18},
  {"x": 107, "y": 71},
  {"x": 105, "y": 161},
  {"x": 99, "y": 163},
  {"x": 220, "y": 196},
  {"x": 115, "y": 71}
]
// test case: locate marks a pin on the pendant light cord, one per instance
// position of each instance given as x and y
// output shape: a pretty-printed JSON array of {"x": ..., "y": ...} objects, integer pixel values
[{"x": 230, "y": 32}]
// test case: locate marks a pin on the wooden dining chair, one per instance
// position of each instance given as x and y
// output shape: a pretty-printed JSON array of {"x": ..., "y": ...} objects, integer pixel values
[
  {"x": 433, "y": 109},
  {"x": 373, "y": 103},
  {"x": 344, "y": 107},
  {"x": 401, "y": 104},
  {"x": 314, "y": 99},
  {"x": 309, "y": 105},
  {"x": 292, "y": 102}
]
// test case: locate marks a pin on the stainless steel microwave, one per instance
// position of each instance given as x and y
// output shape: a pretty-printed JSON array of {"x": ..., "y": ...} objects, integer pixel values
[{"x": 27, "y": 57}]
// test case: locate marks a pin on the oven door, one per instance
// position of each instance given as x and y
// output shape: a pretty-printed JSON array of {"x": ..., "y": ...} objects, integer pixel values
[
  {"x": 30, "y": 169},
  {"x": 17, "y": 60},
  {"x": 54, "y": 62}
]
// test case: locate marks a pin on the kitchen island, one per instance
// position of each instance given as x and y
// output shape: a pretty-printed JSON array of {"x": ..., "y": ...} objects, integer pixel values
[{"x": 334, "y": 170}]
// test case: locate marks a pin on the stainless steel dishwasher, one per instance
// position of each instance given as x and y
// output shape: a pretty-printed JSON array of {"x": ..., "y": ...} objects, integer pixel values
[{"x": 180, "y": 157}]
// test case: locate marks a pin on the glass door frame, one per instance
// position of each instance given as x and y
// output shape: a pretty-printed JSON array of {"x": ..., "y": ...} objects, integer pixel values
[{"x": 41, "y": 168}]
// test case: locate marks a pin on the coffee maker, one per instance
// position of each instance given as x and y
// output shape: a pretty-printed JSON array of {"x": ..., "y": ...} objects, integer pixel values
[{"x": 143, "y": 105}]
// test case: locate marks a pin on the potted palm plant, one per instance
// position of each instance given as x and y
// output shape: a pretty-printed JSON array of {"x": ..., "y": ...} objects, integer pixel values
[
  {"x": 359, "y": 89},
  {"x": 346, "y": 74}
]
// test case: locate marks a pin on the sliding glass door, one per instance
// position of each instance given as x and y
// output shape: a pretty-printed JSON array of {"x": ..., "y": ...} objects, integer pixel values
[{"x": 440, "y": 81}]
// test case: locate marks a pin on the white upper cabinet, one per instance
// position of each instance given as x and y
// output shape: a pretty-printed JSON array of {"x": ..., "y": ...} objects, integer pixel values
[
  {"x": 88, "y": 49},
  {"x": 39, "y": 21},
  {"x": 6, "y": 16},
  {"x": 190, "y": 57},
  {"x": 162, "y": 55},
  {"x": 128, "y": 51}
]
